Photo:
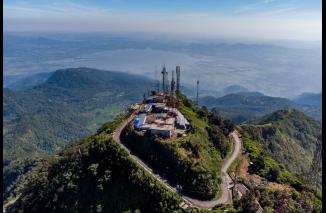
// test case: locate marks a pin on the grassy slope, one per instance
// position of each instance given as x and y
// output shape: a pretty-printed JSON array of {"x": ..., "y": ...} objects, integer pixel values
[{"x": 93, "y": 175}]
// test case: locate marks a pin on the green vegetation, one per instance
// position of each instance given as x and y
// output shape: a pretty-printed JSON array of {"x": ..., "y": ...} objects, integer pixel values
[
  {"x": 288, "y": 136},
  {"x": 264, "y": 165},
  {"x": 247, "y": 203},
  {"x": 94, "y": 175},
  {"x": 193, "y": 161},
  {"x": 99, "y": 116},
  {"x": 280, "y": 147},
  {"x": 70, "y": 105},
  {"x": 245, "y": 106},
  {"x": 289, "y": 201}
]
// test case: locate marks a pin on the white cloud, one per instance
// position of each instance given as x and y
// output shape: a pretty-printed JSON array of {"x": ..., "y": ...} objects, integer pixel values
[{"x": 279, "y": 23}]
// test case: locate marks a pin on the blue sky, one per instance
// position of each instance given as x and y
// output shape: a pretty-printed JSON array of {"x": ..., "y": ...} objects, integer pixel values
[{"x": 268, "y": 19}]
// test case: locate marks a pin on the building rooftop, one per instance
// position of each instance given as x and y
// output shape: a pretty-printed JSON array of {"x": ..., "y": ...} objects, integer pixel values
[{"x": 165, "y": 127}]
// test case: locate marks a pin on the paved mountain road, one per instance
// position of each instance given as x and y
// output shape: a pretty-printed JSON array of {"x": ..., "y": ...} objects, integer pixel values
[{"x": 225, "y": 197}]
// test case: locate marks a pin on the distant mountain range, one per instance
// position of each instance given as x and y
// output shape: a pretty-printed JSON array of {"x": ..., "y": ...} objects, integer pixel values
[
  {"x": 244, "y": 106},
  {"x": 314, "y": 99},
  {"x": 21, "y": 82},
  {"x": 260, "y": 67},
  {"x": 69, "y": 105}
]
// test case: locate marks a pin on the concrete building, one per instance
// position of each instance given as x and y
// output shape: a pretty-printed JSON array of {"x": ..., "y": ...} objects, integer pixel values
[
  {"x": 139, "y": 121},
  {"x": 165, "y": 131},
  {"x": 159, "y": 119},
  {"x": 148, "y": 108}
]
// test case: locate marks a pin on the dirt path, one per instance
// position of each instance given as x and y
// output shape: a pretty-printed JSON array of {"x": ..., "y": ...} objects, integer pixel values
[{"x": 225, "y": 197}]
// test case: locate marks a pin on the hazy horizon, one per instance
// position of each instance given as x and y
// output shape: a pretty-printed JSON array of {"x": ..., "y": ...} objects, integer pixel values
[
  {"x": 246, "y": 19},
  {"x": 271, "y": 46}
]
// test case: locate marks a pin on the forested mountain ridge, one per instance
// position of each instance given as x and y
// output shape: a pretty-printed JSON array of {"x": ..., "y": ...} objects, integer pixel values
[
  {"x": 289, "y": 136},
  {"x": 71, "y": 104},
  {"x": 314, "y": 99},
  {"x": 22, "y": 82},
  {"x": 100, "y": 161},
  {"x": 244, "y": 106},
  {"x": 94, "y": 175},
  {"x": 66, "y": 180}
]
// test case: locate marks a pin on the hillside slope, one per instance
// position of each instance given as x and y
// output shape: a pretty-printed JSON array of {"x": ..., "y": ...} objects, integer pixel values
[
  {"x": 94, "y": 175},
  {"x": 71, "y": 104},
  {"x": 289, "y": 136},
  {"x": 22, "y": 82}
]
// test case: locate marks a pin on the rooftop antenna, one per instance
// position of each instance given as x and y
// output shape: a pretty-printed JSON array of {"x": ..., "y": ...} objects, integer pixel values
[{"x": 197, "y": 92}]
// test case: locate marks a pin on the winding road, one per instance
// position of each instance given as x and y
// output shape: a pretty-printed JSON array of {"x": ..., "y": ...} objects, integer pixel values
[{"x": 226, "y": 195}]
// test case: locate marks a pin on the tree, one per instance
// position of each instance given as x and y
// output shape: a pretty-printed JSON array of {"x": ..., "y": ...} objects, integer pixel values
[
  {"x": 248, "y": 203},
  {"x": 273, "y": 174},
  {"x": 258, "y": 164}
]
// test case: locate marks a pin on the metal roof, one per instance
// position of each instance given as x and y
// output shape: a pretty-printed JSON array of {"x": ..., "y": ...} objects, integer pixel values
[{"x": 140, "y": 120}]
